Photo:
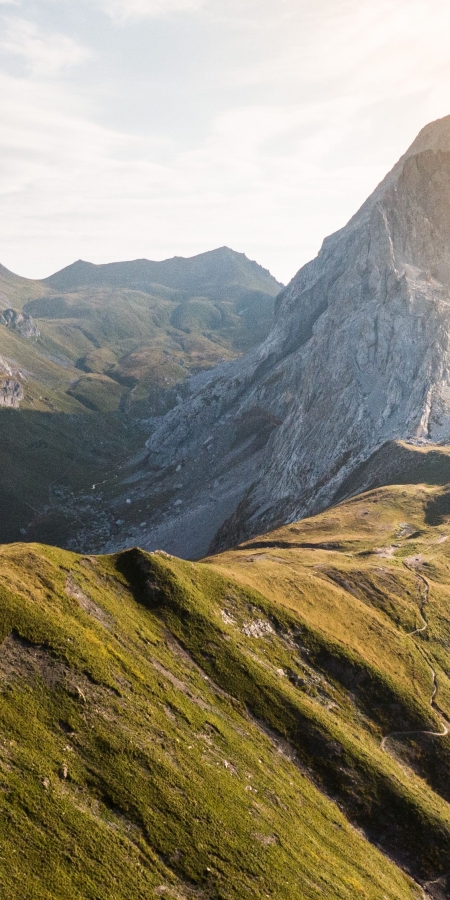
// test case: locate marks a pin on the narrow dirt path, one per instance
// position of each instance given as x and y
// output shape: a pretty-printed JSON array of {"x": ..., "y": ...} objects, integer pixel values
[
  {"x": 424, "y": 597},
  {"x": 425, "y": 594}
]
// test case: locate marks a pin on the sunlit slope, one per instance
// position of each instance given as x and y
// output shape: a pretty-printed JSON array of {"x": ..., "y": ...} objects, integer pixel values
[
  {"x": 368, "y": 584},
  {"x": 141, "y": 750}
]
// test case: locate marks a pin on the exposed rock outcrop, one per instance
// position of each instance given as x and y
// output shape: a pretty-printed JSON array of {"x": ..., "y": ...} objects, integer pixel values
[
  {"x": 24, "y": 324},
  {"x": 11, "y": 393},
  {"x": 5, "y": 367}
]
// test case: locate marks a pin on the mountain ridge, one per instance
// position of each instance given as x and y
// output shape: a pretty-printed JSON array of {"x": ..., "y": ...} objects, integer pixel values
[{"x": 183, "y": 273}]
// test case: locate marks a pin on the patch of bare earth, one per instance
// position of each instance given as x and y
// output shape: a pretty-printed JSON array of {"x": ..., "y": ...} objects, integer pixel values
[
  {"x": 386, "y": 552},
  {"x": 90, "y": 607},
  {"x": 20, "y": 659},
  {"x": 415, "y": 561}
]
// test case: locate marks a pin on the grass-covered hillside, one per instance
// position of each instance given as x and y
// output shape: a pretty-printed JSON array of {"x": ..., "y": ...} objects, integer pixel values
[
  {"x": 269, "y": 722},
  {"x": 146, "y": 325},
  {"x": 107, "y": 353}
]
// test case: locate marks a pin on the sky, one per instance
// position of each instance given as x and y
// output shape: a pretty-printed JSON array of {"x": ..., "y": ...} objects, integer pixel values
[{"x": 154, "y": 128}]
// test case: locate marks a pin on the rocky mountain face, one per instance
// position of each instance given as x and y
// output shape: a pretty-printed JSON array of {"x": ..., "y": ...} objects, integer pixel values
[
  {"x": 11, "y": 390},
  {"x": 24, "y": 324},
  {"x": 358, "y": 356},
  {"x": 11, "y": 393}
]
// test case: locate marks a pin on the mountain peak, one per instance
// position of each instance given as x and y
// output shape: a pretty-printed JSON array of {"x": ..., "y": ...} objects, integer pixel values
[
  {"x": 434, "y": 136},
  {"x": 359, "y": 356}
]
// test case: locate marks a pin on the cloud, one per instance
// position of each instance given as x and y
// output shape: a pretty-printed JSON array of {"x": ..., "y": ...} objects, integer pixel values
[
  {"x": 381, "y": 47},
  {"x": 70, "y": 188},
  {"x": 262, "y": 125},
  {"x": 125, "y": 10},
  {"x": 43, "y": 53}
]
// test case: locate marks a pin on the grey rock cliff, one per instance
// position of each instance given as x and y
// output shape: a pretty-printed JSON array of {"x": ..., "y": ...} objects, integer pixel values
[
  {"x": 24, "y": 324},
  {"x": 11, "y": 393},
  {"x": 359, "y": 355}
]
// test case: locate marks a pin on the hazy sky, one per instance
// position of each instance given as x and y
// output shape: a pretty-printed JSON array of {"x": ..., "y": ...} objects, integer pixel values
[{"x": 132, "y": 128}]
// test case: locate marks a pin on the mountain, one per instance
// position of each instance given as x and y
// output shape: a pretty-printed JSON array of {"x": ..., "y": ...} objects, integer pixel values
[
  {"x": 357, "y": 359},
  {"x": 88, "y": 357},
  {"x": 270, "y": 722},
  {"x": 217, "y": 274}
]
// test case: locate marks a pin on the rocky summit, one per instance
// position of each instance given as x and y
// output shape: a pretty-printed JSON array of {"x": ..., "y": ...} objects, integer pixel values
[{"x": 358, "y": 357}]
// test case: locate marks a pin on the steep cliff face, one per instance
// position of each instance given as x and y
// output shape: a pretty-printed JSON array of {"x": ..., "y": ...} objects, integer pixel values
[
  {"x": 359, "y": 355},
  {"x": 11, "y": 393},
  {"x": 24, "y": 324}
]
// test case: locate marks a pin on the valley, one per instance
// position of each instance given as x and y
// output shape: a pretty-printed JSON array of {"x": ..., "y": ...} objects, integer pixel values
[{"x": 107, "y": 350}]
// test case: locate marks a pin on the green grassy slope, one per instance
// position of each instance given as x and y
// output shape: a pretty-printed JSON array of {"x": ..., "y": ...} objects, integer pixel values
[
  {"x": 16, "y": 291},
  {"x": 127, "y": 772},
  {"x": 148, "y": 324},
  {"x": 230, "y": 728},
  {"x": 196, "y": 310}
]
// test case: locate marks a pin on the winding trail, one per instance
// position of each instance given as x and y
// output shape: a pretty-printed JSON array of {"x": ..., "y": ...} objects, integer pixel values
[{"x": 425, "y": 593}]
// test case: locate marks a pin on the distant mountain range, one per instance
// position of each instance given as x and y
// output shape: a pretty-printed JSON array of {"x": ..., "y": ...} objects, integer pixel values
[{"x": 217, "y": 274}]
